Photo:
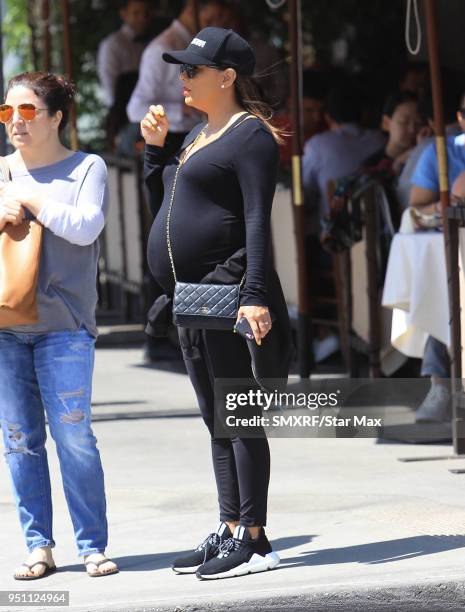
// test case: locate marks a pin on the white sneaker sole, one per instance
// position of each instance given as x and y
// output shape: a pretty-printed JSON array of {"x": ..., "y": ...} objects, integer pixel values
[
  {"x": 256, "y": 564},
  {"x": 186, "y": 570}
]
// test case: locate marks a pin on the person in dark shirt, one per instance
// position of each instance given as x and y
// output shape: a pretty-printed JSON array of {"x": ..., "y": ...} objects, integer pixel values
[{"x": 225, "y": 177}]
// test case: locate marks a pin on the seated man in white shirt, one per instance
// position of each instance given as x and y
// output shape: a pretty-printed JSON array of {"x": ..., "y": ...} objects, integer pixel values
[
  {"x": 120, "y": 52},
  {"x": 159, "y": 81}
]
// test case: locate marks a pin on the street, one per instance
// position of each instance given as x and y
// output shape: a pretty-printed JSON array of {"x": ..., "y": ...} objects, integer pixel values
[{"x": 355, "y": 528}]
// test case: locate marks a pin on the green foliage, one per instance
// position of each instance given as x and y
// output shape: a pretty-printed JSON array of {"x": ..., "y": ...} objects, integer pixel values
[{"x": 16, "y": 32}]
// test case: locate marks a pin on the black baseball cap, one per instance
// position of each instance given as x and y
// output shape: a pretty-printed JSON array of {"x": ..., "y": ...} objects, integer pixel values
[{"x": 217, "y": 48}]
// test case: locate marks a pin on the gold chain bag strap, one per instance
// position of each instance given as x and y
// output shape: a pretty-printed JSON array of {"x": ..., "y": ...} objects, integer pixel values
[
  {"x": 20, "y": 247},
  {"x": 201, "y": 305}
]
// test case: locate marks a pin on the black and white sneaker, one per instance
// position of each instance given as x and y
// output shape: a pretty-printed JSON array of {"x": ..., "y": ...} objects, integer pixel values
[
  {"x": 240, "y": 555},
  {"x": 191, "y": 562}
]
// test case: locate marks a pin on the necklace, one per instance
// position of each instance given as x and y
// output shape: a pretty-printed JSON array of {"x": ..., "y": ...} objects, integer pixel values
[{"x": 190, "y": 150}]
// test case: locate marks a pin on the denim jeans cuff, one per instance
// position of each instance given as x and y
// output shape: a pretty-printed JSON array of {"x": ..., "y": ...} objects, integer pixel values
[
  {"x": 41, "y": 544},
  {"x": 91, "y": 551}
]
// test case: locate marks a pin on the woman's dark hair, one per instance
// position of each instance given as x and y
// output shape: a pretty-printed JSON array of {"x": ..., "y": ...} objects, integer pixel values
[
  {"x": 396, "y": 99},
  {"x": 250, "y": 97},
  {"x": 55, "y": 90}
]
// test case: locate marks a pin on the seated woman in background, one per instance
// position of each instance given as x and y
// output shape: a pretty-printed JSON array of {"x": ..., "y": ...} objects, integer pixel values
[{"x": 402, "y": 123}]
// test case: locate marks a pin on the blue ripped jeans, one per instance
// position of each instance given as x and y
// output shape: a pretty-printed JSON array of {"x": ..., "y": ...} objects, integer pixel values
[{"x": 52, "y": 371}]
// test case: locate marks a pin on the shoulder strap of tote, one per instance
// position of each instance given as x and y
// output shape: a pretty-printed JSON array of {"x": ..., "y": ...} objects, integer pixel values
[{"x": 5, "y": 170}]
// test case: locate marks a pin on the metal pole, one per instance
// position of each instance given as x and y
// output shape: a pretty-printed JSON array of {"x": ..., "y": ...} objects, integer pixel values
[
  {"x": 372, "y": 239},
  {"x": 304, "y": 336},
  {"x": 2, "y": 84},
  {"x": 69, "y": 69},
  {"x": 450, "y": 230}
]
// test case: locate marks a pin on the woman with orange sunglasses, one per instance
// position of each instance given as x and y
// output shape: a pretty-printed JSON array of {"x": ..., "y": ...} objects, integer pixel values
[{"x": 47, "y": 367}]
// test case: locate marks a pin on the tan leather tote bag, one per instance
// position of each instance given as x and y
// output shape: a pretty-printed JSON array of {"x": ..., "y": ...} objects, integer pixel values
[{"x": 20, "y": 248}]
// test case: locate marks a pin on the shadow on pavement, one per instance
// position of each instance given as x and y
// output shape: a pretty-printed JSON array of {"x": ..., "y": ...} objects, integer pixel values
[
  {"x": 143, "y": 563},
  {"x": 281, "y": 544},
  {"x": 379, "y": 552},
  {"x": 370, "y": 554}
]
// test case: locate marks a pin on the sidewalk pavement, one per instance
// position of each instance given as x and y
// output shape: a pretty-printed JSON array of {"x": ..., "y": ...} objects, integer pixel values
[{"x": 355, "y": 528}]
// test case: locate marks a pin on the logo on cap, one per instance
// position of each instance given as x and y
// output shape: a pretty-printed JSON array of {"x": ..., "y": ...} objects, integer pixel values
[{"x": 198, "y": 42}]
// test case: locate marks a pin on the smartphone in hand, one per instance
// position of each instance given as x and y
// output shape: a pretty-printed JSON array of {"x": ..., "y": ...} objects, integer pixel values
[{"x": 242, "y": 327}]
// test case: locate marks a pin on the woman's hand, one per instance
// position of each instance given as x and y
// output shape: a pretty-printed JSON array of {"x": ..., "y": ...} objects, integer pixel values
[
  {"x": 11, "y": 211},
  {"x": 154, "y": 126},
  {"x": 25, "y": 196},
  {"x": 258, "y": 318}
]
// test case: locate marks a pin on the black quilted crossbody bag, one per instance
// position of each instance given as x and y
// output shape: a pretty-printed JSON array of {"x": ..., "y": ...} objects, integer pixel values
[{"x": 201, "y": 305}]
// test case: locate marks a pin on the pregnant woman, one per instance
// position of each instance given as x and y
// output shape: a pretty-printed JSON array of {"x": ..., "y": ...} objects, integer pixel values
[{"x": 226, "y": 177}]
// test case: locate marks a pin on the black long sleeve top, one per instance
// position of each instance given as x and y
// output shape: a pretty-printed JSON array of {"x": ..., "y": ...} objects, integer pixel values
[{"x": 222, "y": 202}]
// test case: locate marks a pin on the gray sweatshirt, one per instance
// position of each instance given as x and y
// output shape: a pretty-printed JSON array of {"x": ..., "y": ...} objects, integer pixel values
[{"x": 73, "y": 216}]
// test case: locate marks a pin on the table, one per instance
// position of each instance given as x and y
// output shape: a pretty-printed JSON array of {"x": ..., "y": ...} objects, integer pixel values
[{"x": 415, "y": 288}]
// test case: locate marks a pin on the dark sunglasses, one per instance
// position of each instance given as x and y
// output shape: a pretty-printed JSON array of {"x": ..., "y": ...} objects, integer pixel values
[
  {"x": 190, "y": 70},
  {"x": 26, "y": 111},
  {"x": 462, "y": 112}
]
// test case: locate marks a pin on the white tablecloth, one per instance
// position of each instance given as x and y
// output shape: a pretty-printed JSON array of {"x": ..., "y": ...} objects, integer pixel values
[{"x": 416, "y": 289}]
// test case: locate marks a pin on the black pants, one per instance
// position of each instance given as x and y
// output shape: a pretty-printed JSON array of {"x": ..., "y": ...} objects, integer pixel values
[{"x": 241, "y": 465}]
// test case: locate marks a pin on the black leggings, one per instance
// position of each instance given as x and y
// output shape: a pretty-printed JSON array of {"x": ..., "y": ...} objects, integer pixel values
[{"x": 241, "y": 465}]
